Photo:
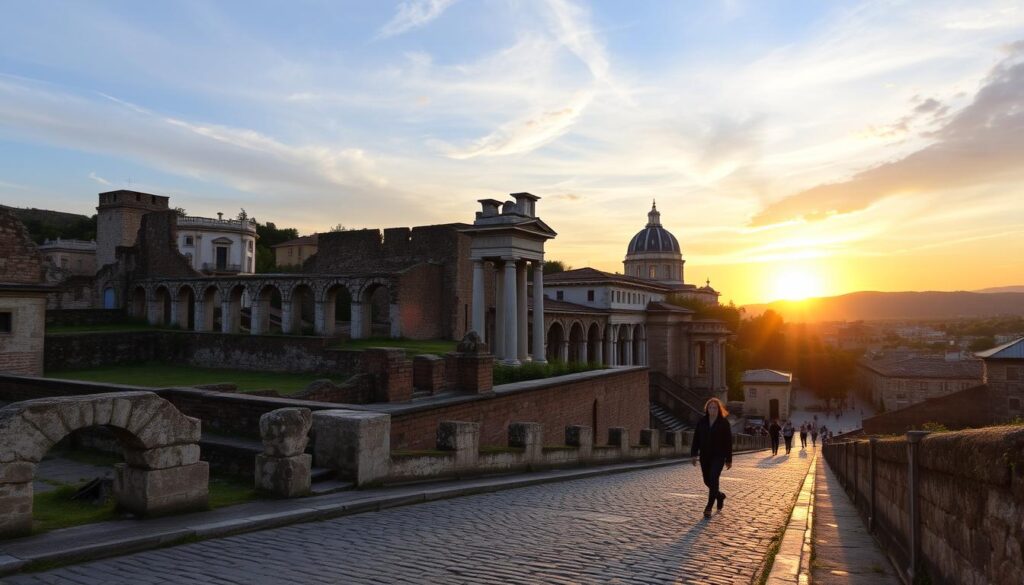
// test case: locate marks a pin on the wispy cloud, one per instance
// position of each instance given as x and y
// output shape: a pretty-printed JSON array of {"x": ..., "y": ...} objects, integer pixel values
[
  {"x": 413, "y": 14},
  {"x": 100, "y": 179}
]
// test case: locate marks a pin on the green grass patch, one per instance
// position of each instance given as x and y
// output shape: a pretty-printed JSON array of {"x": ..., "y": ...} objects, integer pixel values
[
  {"x": 226, "y": 491},
  {"x": 55, "y": 509},
  {"x": 160, "y": 375},
  {"x": 532, "y": 371},
  {"x": 411, "y": 347}
]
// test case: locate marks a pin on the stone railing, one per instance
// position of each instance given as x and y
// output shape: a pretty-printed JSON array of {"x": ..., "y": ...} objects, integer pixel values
[
  {"x": 358, "y": 446},
  {"x": 220, "y": 224},
  {"x": 946, "y": 506}
]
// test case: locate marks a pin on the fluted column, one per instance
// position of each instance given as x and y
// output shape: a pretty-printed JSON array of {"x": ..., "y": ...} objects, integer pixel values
[
  {"x": 522, "y": 314},
  {"x": 479, "y": 306},
  {"x": 630, "y": 358},
  {"x": 499, "y": 314},
  {"x": 538, "y": 312},
  {"x": 511, "y": 312},
  {"x": 228, "y": 316},
  {"x": 200, "y": 317}
]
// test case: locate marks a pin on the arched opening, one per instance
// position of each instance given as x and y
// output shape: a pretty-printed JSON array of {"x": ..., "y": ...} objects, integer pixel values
[
  {"x": 162, "y": 310},
  {"x": 577, "y": 352},
  {"x": 300, "y": 319},
  {"x": 639, "y": 348},
  {"x": 109, "y": 298},
  {"x": 376, "y": 307},
  {"x": 556, "y": 339},
  {"x": 138, "y": 306},
  {"x": 207, "y": 313},
  {"x": 624, "y": 345},
  {"x": 265, "y": 316},
  {"x": 594, "y": 344},
  {"x": 337, "y": 305},
  {"x": 184, "y": 313},
  {"x": 232, "y": 318},
  {"x": 30, "y": 433}
]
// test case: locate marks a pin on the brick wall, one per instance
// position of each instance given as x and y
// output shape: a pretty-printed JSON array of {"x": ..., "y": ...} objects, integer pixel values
[
  {"x": 970, "y": 495},
  {"x": 621, "y": 397},
  {"x": 20, "y": 260},
  {"x": 422, "y": 306},
  {"x": 973, "y": 407}
]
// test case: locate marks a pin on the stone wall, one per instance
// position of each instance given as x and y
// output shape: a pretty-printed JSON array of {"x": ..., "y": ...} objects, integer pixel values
[
  {"x": 22, "y": 350},
  {"x": 79, "y": 317},
  {"x": 968, "y": 488},
  {"x": 20, "y": 260},
  {"x": 969, "y": 408},
  {"x": 599, "y": 399}
]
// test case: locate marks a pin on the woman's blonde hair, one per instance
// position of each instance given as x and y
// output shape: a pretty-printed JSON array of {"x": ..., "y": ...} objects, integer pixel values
[{"x": 722, "y": 410}]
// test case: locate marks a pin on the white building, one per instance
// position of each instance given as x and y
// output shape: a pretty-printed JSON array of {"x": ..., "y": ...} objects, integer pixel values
[
  {"x": 218, "y": 245},
  {"x": 767, "y": 393}
]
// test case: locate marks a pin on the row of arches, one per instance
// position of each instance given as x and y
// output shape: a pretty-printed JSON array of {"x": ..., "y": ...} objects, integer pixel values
[
  {"x": 358, "y": 310},
  {"x": 613, "y": 344}
]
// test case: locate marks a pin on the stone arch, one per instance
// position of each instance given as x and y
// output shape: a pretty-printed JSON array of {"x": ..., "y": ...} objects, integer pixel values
[
  {"x": 207, "y": 308},
  {"x": 162, "y": 472},
  {"x": 109, "y": 297},
  {"x": 298, "y": 312},
  {"x": 556, "y": 341},
  {"x": 624, "y": 345},
  {"x": 160, "y": 305},
  {"x": 594, "y": 341},
  {"x": 267, "y": 302},
  {"x": 337, "y": 304},
  {"x": 139, "y": 297},
  {"x": 577, "y": 342},
  {"x": 377, "y": 302},
  {"x": 183, "y": 308},
  {"x": 231, "y": 299}
]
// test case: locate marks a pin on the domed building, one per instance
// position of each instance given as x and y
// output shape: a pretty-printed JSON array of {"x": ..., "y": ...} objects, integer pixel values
[{"x": 654, "y": 253}]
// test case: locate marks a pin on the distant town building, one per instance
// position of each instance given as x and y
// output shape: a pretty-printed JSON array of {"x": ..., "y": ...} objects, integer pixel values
[
  {"x": 22, "y": 299},
  {"x": 295, "y": 252},
  {"x": 767, "y": 393},
  {"x": 895, "y": 380},
  {"x": 77, "y": 257},
  {"x": 1004, "y": 374},
  {"x": 218, "y": 246}
]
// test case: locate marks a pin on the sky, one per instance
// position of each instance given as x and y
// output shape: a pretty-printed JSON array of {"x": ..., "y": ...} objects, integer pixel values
[{"x": 794, "y": 148}]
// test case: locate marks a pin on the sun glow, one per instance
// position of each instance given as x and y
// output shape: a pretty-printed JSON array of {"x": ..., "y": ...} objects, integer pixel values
[{"x": 797, "y": 284}]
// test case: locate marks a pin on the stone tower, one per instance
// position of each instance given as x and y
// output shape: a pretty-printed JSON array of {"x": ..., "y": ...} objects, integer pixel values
[{"x": 119, "y": 217}]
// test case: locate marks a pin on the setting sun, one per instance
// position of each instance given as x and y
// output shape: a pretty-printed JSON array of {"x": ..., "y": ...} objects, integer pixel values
[{"x": 796, "y": 285}]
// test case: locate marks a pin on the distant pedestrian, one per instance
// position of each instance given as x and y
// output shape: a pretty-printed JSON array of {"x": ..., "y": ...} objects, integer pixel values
[
  {"x": 803, "y": 436},
  {"x": 773, "y": 432},
  {"x": 814, "y": 437},
  {"x": 712, "y": 444},
  {"x": 787, "y": 435}
]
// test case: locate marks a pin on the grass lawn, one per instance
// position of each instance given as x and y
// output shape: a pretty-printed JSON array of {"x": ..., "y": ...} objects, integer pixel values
[
  {"x": 158, "y": 375},
  {"x": 411, "y": 347}
]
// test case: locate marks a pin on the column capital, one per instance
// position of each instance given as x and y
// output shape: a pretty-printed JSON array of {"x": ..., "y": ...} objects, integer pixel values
[{"x": 507, "y": 259}]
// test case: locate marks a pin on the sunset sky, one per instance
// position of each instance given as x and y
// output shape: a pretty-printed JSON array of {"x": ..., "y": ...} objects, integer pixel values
[{"x": 794, "y": 148}]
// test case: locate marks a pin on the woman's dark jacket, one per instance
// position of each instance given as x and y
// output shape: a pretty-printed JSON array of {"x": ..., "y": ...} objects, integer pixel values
[{"x": 712, "y": 441}]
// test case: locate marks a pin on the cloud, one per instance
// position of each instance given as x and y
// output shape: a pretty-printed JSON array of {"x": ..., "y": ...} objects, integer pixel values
[
  {"x": 413, "y": 14},
  {"x": 981, "y": 143},
  {"x": 100, "y": 179}
]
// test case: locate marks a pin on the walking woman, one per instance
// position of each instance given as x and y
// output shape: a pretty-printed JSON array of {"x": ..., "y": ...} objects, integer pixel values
[
  {"x": 803, "y": 436},
  {"x": 787, "y": 435},
  {"x": 773, "y": 432},
  {"x": 814, "y": 436},
  {"x": 712, "y": 444}
]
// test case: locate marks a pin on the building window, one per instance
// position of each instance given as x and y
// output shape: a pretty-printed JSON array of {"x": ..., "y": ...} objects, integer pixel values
[
  {"x": 189, "y": 241},
  {"x": 590, "y": 295},
  {"x": 559, "y": 295},
  {"x": 5, "y": 322},
  {"x": 752, "y": 393},
  {"x": 653, "y": 272},
  {"x": 250, "y": 245}
]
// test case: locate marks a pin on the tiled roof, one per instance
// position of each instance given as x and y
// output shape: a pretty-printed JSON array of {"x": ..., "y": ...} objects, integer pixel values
[
  {"x": 904, "y": 365},
  {"x": 556, "y": 306},
  {"x": 767, "y": 377},
  {"x": 303, "y": 241},
  {"x": 593, "y": 275},
  {"x": 1013, "y": 350}
]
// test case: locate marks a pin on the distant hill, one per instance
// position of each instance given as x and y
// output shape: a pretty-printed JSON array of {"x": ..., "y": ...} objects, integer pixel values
[
  {"x": 1001, "y": 289},
  {"x": 44, "y": 224},
  {"x": 870, "y": 306}
]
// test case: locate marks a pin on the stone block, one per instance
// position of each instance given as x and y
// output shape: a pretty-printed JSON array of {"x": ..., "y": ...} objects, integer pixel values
[
  {"x": 77, "y": 413},
  {"x": 20, "y": 440},
  {"x": 619, "y": 437},
  {"x": 285, "y": 477},
  {"x": 528, "y": 436},
  {"x": 674, "y": 440},
  {"x": 17, "y": 472},
  {"x": 285, "y": 431},
  {"x": 162, "y": 457},
  {"x": 357, "y": 444},
  {"x": 461, "y": 437},
  {"x": 651, "y": 438},
  {"x": 153, "y": 492},
  {"x": 143, "y": 411},
  {"x": 121, "y": 412},
  {"x": 581, "y": 437},
  {"x": 43, "y": 414},
  {"x": 15, "y": 510}
]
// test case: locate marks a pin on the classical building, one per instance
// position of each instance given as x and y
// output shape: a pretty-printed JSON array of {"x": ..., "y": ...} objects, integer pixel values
[
  {"x": 897, "y": 380},
  {"x": 77, "y": 257},
  {"x": 218, "y": 246},
  {"x": 22, "y": 299},
  {"x": 1004, "y": 375},
  {"x": 295, "y": 252},
  {"x": 767, "y": 394}
]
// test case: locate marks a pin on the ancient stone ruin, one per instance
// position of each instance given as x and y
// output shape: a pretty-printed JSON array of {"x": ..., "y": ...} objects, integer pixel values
[
  {"x": 161, "y": 474},
  {"x": 283, "y": 469}
]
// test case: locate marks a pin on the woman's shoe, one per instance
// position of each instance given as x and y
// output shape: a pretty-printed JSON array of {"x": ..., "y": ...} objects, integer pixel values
[
  {"x": 721, "y": 500},
  {"x": 707, "y": 512}
]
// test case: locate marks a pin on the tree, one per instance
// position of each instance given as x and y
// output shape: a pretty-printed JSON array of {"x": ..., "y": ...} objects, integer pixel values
[
  {"x": 180, "y": 211},
  {"x": 555, "y": 266},
  {"x": 338, "y": 228}
]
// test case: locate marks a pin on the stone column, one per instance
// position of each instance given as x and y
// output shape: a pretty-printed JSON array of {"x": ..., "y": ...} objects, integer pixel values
[
  {"x": 395, "y": 320},
  {"x": 499, "y": 314},
  {"x": 538, "y": 312},
  {"x": 479, "y": 301},
  {"x": 287, "y": 317},
  {"x": 583, "y": 351},
  {"x": 613, "y": 346},
  {"x": 200, "y": 317},
  {"x": 228, "y": 316},
  {"x": 320, "y": 321},
  {"x": 599, "y": 352},
  {"x": 259, "y": 317},
  {"x": 357, "y": 320},
  {"x": 155, "y": 312},
  {"x": 176, "y": 313},
  {"x": 630, "y": 358},
  {"x": 563, "y": 352},
  {"x": 522, "y": 313},
  {"x": 511, "y": 313}
]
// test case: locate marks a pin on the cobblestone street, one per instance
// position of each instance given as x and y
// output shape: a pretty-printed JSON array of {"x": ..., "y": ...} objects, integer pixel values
[{"x": 637, "y": 527}]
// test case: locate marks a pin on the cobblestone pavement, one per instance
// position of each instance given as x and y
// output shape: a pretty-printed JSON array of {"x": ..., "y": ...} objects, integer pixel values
[{"x": 638, "y": 527}]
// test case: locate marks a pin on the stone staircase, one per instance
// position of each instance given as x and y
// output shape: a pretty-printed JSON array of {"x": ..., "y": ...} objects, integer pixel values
[{"x": 666, "y": 420}]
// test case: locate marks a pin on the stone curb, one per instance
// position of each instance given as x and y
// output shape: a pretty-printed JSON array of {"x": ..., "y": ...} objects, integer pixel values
[
  {"x": 15, "y": 555},
  {"x": 792, "y": 562}
]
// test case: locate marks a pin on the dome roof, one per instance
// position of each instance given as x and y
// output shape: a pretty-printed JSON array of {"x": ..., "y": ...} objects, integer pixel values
[{"x": 653, "y": 238}]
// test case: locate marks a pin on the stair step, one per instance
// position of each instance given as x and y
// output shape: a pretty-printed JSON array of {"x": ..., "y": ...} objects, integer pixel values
[
  {"x": 329, "y": 487},
  {"x": 321, "y": 474}
]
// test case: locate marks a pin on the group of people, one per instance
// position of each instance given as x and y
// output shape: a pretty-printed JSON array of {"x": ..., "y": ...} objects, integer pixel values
[{"x": 786, "y": 431}]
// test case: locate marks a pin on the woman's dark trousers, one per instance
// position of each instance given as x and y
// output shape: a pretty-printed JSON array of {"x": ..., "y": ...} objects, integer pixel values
[
  {"x": 711, "y": 468},
  {"x": 803, "y": 439},
  {"x": 789, "y": 443},
  {"x": 775, "y": 444}
]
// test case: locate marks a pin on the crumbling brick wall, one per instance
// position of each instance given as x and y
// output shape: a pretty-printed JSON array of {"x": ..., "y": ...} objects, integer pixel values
[{"x": 20, "y": 260}]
